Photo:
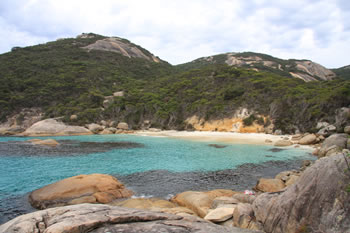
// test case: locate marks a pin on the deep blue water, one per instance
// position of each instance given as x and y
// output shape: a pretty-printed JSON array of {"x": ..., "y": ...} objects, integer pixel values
[{"x": 155, "y": 166}]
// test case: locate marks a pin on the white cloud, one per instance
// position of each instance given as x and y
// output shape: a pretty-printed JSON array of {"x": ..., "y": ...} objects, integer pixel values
[{"x": 180, "y": 31}]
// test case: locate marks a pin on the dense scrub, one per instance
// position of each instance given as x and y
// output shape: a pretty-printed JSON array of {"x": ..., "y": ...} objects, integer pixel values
[{"x": 64, "y": 79}]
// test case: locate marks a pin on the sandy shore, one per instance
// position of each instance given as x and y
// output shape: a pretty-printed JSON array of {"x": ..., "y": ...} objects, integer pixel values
[{"x": 226, "y": 137}]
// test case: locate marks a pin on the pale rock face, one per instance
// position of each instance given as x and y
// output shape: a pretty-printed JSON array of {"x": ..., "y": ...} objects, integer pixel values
[
  {"x": 220, "y": 214},
  {"x": 321, "y": 125},
  {"x": 104, "y": 218},
  {"x": 51, "y": 127},
  {"x": 118, "y": 94},
  {"x": 317, "y": 202},
  {"x": 117, "y": 45}
]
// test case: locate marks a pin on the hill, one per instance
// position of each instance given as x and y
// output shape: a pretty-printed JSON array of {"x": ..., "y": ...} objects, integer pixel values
[
  {"x": 109, "y": 78},
  {"x": 343, "y": 72},
  {"x": 302, "y": 69}
]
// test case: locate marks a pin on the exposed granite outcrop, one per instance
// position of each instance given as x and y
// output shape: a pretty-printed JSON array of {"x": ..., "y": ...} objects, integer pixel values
[
  {"x": 317, "y": 202},
  {"x": 104, "y": 218},
  {"x": 118, "y": 45},
  {"x": 94, "y": 188},
  {"x": 52, "y": 127}
]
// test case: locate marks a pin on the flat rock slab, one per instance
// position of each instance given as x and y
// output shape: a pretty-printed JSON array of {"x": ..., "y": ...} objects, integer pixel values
[
  {"x": 105, "y": 218},
  {"x": 220, "y": 214}
]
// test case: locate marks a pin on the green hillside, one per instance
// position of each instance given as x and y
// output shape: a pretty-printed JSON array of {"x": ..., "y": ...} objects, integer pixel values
[
  {"x": 63, "y": 78},
  {"x": 343, "y": 72}
]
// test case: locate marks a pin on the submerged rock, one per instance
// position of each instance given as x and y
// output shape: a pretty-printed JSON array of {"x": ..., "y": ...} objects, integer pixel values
[
  {"x": 46, "y": 142},
  {"x": 94, "y": 188},
  {"x": 105, "y": 218},
  {"x": 217, "y": 146}
]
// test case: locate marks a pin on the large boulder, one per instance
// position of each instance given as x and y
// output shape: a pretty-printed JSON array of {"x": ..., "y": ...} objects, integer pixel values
[
  {"x": 317, "y": 202},
  {"x": 269, "y": 185},
  {"x": 52, "y": 127},
  {"x": 95, "y": 128},
  {"x": 104, "y": 218},
  {"x": 328, "y": 130},
  {"x": 347, "y": 129},
  {"x": 283, "y": 143},
  {"x": 200, "y": 202},
  {"x": 334, "y": 143},
  {"x": 94, "y": 188},
  {"x": 308, "y": 139},
  {"x": 123, "y": 126},
  {"x": 342, "y": 116}
]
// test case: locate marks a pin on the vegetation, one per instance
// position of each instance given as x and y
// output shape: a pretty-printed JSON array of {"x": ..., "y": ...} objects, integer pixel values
[
  {"x": 343, "y": 72},
  {"x": 64, "y": 79}
]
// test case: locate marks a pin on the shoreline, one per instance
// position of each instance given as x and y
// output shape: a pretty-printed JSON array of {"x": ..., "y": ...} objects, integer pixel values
[{"x": 221, "y": 137}]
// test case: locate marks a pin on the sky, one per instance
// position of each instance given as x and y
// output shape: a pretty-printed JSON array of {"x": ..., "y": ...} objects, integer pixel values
[{"x": 180, "y": 31}]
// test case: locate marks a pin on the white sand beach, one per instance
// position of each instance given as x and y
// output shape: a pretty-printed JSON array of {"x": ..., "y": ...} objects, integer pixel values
[{"x": 226, "y": 137}]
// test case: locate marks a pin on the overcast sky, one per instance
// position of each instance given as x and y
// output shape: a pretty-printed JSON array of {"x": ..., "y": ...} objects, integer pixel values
[{"x": 179, "y": 31}]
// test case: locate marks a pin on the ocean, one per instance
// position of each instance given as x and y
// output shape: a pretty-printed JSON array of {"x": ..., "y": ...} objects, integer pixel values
[{"x": 150, "y": 166}]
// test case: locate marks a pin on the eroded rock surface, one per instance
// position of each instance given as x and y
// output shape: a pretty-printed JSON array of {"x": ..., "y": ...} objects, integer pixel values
[
  {"x": 317, "y": 202},
  {"x": 118, "y": 45},
  {"x": 200, "y": 202},
  {"x": 94, "y": 188},
  {"x": 52, "y": 127},
  {"x": 105, "y": 218}
]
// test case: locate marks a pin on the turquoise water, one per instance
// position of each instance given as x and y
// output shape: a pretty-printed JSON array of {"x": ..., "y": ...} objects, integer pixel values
[{"x": 21, "y": 174}]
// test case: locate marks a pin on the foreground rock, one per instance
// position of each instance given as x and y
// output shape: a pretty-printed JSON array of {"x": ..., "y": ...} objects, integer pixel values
[
  {"x": 317, "y": 202},
  {"x": 200, "y": 202},
  {"x": 155, "y": 204},
  {"x": 269, "y": 185},
  {"x": 105, "y": 218},
  {"x": 51, "y": 127},
  {"x": 95, "y": 188}
]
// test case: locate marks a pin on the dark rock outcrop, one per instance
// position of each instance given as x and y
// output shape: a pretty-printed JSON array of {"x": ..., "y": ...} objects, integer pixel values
[
  {"x": 317, "y": 202},
  {"x": 103, "y": 218}
]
